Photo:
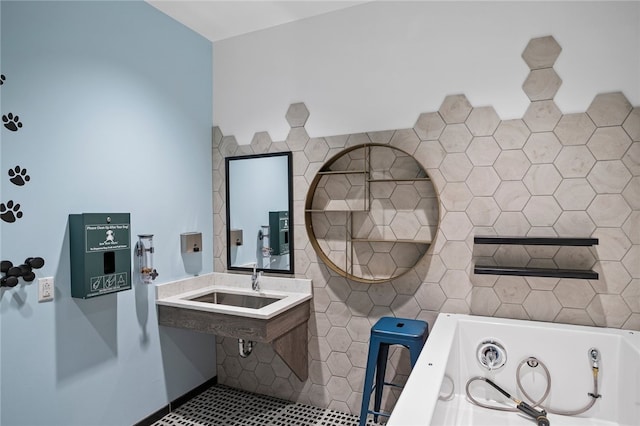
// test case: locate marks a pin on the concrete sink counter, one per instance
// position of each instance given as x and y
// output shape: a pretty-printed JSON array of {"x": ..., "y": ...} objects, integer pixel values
[{"x": 282, "y": 323}]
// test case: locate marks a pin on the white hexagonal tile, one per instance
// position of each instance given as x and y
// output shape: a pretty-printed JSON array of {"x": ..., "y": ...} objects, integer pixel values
[
  {"x": 405, "y": 197},
  {"x": 609, "y": 177},
  {"x": 609, "y": 109},
  {"x": 456, "y": 167},
  {"x": 632, "y": 159},
  {"x": 609, "y": 143},
  {"x": 297, "y": 115},
  {"x": 429, "y": 126},
  {"x": 542, "y": 116},
  {"x": 483, "y": 151},
  {"x": 456, "y": 196},
  {"x": 574, "y": 224},
  {"x": 455, "y": 138},
  {"x": 632, "y": 193},
  {"x": 542, "y": 84},
  {"x": 261, "y": 142},
  {"x": 574, "y": 194},
  {"x": 632, "y": 124},
  {"x": 430, "y": 154},
  {"x": 430, "y": 296},
  {"x": 542, "y": 179},
  {"x": 456, "y": 284},
  {"x": 609, "y": 210},
  {"x": 482, "y": 121},
  {"x": 338, "y": 314},
  {"x": 613, "y": 243},
  {"x": 512, "y": 165},
  {"x": 608, "y": 310},
  {"x": 359, "y": 303},
  {"x": 542, "y": 147},
  {"x": 631, "y": 227},
  {"x": 613, "y": 277},
  {"x": 297, "y": 138},
  {"x": 512, "y": 223},
  {"x": 574, "y": 258},
  {"x": 511, "y": 289},
  {"x": 382, "y": 266},
  {"x": 630, "y": 261},
  {"x": 405, "y": 306},
  {"x": 631, "y": 295},
  {"x": 574, "y": 161},
  {"x": 511, "y": 310},
  {"x": 512, "y": 134},
  {"x": 483, "y": 211},
  {"x": 574, "y": 293},
  {"x": 316, "y": 149},
  {"x": 405, "y": 225},
  {"x": 574, "y": 316},
  {"x": 541, "y": 52},
  {"x": 512, "y": 195},
  {"x": 483, "y": 181},
  {"x": 406, "y": 140},
  {"x": 574, "y": 129},
  {"x": 456, "y": 255},
  {"x": 456, "y": 226},
  {"x": 339, "y": 365},
  {"x": 483, "y": 301},
  {"x": 455, "y": 109},
  {"x": 542, "y": 210},
  {"x": 359, "y": 328},
  {"x": 541, "y": 305}
]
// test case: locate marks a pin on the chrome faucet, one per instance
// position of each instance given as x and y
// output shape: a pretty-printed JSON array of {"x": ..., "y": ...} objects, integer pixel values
[{"x": 255, "y": 284}]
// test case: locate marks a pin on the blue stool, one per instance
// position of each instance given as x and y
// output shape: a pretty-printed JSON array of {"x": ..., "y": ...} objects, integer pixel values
[{"x": 411, "y": 334}]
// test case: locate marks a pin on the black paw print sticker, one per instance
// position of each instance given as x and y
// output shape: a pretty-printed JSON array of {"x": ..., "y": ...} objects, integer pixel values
[
  {"x": 11, "y": 122},
  {"x": 18, "y": 176},
  {"x": 2, "y": 79},
  {"x": 10, "y": 212}
]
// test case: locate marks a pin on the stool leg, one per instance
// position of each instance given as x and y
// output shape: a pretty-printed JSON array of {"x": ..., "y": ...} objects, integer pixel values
[
  {"x": 372, "y": 359},
  {"x": 380, "y": 373}
]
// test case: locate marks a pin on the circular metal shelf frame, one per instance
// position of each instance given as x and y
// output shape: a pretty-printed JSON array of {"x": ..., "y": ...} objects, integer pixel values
[{"x": 359, "y": 166}]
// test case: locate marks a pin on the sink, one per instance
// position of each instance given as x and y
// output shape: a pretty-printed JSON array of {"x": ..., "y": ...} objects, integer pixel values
[{"x": 235, "y": 299}]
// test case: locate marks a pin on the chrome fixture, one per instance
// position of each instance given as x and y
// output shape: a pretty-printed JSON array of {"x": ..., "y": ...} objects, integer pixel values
[{"x": 491, "y": 355}]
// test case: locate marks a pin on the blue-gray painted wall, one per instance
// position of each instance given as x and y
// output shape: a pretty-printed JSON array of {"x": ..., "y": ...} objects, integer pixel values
[{"x": 115, "y": 99}]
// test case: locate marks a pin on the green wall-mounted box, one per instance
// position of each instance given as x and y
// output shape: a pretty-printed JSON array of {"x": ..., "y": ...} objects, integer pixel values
[
  {"x": 100, "y": 246},
  {"x": 279, "y": 232}
]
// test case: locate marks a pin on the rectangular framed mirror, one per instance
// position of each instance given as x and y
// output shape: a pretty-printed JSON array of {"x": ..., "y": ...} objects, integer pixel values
[{"x": 259, "y": 199}]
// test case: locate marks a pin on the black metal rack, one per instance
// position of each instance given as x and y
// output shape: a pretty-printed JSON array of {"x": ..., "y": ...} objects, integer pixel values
[{"x": 536, "y": 272}]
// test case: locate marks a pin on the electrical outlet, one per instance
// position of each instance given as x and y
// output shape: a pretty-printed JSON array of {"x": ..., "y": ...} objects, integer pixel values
[{"x": 45, "y": 289}]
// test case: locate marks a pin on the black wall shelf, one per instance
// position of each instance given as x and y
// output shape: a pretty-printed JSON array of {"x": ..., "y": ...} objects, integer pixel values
[
  {"x": 536, "y": 272},
  {"x": 538, "y": 241}
]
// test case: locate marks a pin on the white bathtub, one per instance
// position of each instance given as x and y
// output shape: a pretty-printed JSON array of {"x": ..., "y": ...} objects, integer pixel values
[{"x": 435, "y": 391}]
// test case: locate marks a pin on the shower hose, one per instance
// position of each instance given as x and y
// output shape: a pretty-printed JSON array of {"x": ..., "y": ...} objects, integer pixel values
[{"x": 534, "y": 361}]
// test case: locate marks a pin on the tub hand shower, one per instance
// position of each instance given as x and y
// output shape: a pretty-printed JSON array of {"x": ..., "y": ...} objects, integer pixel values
[{"x": 529, "y": 409}]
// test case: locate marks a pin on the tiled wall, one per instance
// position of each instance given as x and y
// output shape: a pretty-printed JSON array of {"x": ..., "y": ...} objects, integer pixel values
[{"x": 547, "y": 174}]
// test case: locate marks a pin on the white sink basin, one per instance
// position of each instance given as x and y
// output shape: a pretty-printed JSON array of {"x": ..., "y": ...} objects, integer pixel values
[{"x": 232, "y": 294}]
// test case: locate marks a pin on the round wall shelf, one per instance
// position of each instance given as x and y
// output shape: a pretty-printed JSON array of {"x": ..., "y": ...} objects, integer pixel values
[{"x": 371, "y": 213}]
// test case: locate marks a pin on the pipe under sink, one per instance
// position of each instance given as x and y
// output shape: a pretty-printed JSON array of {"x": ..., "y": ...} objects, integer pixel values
[{"x": 235, "y": 299}]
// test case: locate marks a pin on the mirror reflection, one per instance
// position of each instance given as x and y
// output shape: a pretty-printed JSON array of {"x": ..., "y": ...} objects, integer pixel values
[{"x": 259, "y": 210}]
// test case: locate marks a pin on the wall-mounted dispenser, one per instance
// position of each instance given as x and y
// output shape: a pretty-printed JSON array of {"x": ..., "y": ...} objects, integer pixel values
[
  {"x": 235, "y": 236},
  {"x": 100, "y": 246},
  {"x": 279, "y": 232},
  {"x": 144, "y": 253},
  {"x": 191, "y": 242}
]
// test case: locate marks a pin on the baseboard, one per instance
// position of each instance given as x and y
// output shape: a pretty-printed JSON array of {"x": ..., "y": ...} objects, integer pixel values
[{"x": 173, "y": 405}]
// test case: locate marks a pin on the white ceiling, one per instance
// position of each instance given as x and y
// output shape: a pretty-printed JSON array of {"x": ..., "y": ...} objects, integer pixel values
[{"x": 217, "y": 20}]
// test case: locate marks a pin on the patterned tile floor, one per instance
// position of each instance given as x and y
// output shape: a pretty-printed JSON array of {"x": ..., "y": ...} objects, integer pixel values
[{"x": 225, "y": 406}]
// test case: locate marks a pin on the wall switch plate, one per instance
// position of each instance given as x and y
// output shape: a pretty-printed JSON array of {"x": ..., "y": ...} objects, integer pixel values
[{"x": 45, "y": 289}]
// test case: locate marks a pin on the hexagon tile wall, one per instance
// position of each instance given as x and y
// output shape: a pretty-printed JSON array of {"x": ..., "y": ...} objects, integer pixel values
[{"x": 547, "y": 174}]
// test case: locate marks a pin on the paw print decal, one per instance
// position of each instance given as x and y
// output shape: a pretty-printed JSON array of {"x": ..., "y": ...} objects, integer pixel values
[
  {"x": 18, "y": 176},
  {"x": 11, "y": 122},
  {"x": 2, "y": 79},
  {"x": 10, "y": 212}
]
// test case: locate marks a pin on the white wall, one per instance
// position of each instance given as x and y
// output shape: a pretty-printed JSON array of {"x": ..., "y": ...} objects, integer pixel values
[{"x": 379, "y": 65}]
